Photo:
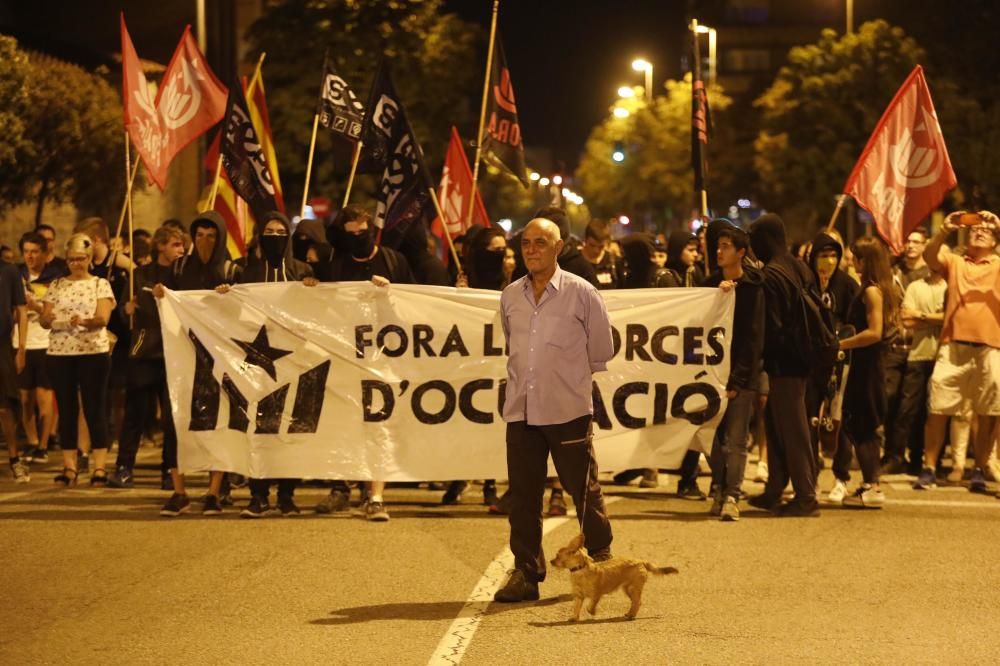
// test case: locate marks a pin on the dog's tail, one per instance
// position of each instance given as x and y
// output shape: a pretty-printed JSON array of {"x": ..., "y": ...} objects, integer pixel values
[{"x": 659, "y": 571}]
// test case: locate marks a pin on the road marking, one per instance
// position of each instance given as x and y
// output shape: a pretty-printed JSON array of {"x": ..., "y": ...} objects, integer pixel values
[
  {"x": 896, "y": 485},
  {"x": 457, "y": 639},
  {"x": 6, "y": 498},
  {"x": 948, "y": 505}
]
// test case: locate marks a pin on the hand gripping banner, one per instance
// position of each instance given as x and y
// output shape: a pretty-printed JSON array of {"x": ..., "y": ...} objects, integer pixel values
[{"x": 405, "y": 383}]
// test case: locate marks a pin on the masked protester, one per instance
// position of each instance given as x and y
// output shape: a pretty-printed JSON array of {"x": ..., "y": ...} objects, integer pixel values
[
  {"x": 790, "y": 454},
  {"x": 363, "y": 260},
  {"x": 271, "y": 260},
  {"x": 427, "y": 269},
  {"x": 310, "y": 246},
  {"x": 682, "y": 257}
]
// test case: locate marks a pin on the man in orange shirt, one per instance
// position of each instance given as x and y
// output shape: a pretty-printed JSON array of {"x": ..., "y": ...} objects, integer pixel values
[{"x": 968, "y": 360}]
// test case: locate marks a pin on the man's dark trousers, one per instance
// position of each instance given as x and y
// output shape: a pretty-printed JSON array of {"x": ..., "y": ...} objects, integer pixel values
[
  {"x": 789, "y": 450},
  {"x": 528, "y": 449}
]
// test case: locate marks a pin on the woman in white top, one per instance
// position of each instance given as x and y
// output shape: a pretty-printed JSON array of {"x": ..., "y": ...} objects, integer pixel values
[{"x": 77, "y": 309}]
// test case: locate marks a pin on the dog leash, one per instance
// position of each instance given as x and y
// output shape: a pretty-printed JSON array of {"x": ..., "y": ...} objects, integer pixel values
[{"x": 586, "y": 483}]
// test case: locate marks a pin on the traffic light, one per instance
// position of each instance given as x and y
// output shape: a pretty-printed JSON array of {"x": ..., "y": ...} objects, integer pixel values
[{"x": 618, "y": 154}]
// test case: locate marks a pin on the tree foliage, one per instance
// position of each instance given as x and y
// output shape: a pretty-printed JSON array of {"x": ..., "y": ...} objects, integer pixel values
[
  {"x": 13, "y": 103},
  {"x": 655, "y": 181},
  {"x": 68, "y": 136},
  {"x": 434, "y": 65},
  {"x": 822, "y": 107}
]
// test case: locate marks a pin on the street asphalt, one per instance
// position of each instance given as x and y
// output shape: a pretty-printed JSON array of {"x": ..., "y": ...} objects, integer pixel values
[{"x": 97, "y": 576}]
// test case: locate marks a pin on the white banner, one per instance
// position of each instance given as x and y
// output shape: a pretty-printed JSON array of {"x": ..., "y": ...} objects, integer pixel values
[{"x": 404, "y": 383}]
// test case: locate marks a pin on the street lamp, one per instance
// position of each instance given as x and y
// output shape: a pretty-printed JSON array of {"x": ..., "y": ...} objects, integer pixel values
[
  {"x": 626, "y": 92},
  {"x": 641, "y": 65},
  {"x": 712, "y": 50},
  {"x": 621, "y": 112}
]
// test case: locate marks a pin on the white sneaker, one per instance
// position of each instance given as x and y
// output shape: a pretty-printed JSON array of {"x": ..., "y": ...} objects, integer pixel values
[
  {"x": 866, "y": 497},
  {"x": 837, "y": 493},
  {"x": 20, "y": 472},
  {"x": 761, "y": 476}
]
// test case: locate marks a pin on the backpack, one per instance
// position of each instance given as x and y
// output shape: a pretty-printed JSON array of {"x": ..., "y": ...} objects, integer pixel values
[{"x": 811, "y": 333}]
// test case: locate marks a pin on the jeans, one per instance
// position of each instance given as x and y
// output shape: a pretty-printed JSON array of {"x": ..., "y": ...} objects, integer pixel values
[
  {"x": 729, "y": 449},
  {"x": 912, "y": 413},
  {"x": 528, "y": 449}
]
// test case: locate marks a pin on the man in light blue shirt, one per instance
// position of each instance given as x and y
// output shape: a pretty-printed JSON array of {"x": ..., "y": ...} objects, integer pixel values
[{"x": 558, "y": 333}]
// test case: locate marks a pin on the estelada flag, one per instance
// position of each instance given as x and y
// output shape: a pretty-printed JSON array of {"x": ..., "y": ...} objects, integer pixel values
[
  {"x": 904, "y": 172},
  {"x": 453, "y": 195},
  {"x": 502, "y": 145},
  {"x": 189, "y": 101},
  {"x": 142, "y": 120}
]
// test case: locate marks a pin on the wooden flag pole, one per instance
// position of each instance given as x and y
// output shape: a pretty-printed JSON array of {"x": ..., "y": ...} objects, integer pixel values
[
  {"x": 131, "y": 228},
  {"x": 836, "y": 212},
  {"x": 309, "y": 166},
  {"x": 218, "y": 163},
  {"x": 129, "y": 179},
  {"x": 354, "y": 170},
  {"x": 447, "y": 234},
  {"x": 482, "y": 117}
]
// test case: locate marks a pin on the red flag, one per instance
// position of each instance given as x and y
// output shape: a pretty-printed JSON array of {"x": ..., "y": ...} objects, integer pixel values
[
  {"x": 189, "y": 101},
  {"x": 904, "y": 172},
  {"x": 142, "y": 121},
  {"x": 453, "y": 194}
]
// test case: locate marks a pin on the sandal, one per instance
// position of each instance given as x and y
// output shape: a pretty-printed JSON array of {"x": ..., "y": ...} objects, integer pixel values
[
  {"x": 99, "y": 478},
  {"x": 66, "y": 479}
]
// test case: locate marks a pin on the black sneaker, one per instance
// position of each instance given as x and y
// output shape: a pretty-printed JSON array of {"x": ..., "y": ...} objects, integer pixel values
[
  {"x": 893, "y": 466},
  {"x": 692, "y": 492},
  {"x": 977, "y": 483},
  {"x": 335, "y": 502},
  {"x": 517, "y": 588},
  {"x": 226, "y": 500},
  {"x": 799, "y": 509},
  {"x": 454, "y": 493},
  {"x": 121, "y": 478},
  {"x": 211, "y": 506},
  {"x": 765, "y": 502},
  {"x": 175, "y": 506},
  {"x": 626, "y": 477},
  {"x": 287, "y": 507},
  {"x": 36, "y": 455},
  {"x": 258, "y": 508}
]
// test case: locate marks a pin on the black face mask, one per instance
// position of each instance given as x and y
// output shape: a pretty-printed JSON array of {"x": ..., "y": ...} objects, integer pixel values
[
  {"x": 273, "y": 248},
  {"x": 489, "y": 268},
  {"x": 361, "y": 245},
  {"x": 300, "y": 247}
]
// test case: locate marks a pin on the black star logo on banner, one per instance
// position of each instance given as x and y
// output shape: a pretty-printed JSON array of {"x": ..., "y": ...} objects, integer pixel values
[{"x": 261, "y": 353}]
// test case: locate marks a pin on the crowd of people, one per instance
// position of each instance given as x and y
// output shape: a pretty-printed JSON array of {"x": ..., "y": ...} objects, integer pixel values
[{"x": 919, "y": 332}]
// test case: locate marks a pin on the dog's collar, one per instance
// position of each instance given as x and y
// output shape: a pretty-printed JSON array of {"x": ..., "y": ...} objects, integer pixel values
[{"x": 574, "y": 569}]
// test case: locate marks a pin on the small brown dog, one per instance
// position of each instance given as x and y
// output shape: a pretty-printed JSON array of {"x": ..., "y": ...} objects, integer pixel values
[{"x": 592, "y": 580}]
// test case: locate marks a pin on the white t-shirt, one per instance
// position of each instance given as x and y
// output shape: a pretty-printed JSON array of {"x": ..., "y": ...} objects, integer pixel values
[
  {"x": 38, "y": 337},
  {"x": 77, "y": 297}
]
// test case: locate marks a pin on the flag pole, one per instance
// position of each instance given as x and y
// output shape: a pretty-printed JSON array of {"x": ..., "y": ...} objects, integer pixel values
[
  {"x": 309, "y": 166},
  {"x": 129, "y": 179},
  {"x": 841, "y": 200},
  {"x": 447, "y": 234},
  {"x": 131, "y": 228},
  {"x": 218, "y": 163},
  {"x": 354, "y": 170},
  {"x": 482, "y": 115}
]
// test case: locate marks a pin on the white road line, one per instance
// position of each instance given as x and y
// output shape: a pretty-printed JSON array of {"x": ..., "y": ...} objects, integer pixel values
[
  {"x": 12, "y": 496},
  {"x": 948, "y": 505},
  {"x": 457, "y": 639}
]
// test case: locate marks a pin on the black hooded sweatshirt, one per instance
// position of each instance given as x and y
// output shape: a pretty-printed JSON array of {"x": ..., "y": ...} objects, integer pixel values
[
  {"x": 782, "y": 295},
  {"x": 747, "y": 344},
  {"x": 641, "y": 272},
  {"x": 841, "y": 290},
  {"x": 312, "y": 234},
  {"x": 260, "y": 269},
  {"x": 190, "y": 272},
  {"x": 691, "y": 276}
]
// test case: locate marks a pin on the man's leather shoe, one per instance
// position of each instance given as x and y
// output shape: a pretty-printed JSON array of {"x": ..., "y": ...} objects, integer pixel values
[
  {"x": 799, "y": 509},
  {"x": 517, "y": 588},
  {"x": 766, "y": 502}
]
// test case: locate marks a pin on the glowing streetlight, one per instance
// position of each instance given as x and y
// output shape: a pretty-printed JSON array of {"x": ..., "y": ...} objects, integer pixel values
[
  {"x": 626, "y": 92},
  {"x": 621, "y": 112},
  {"x": 642, "y": 65},
  {"x": 618, "y": 156},
  {"x": 535, "y": 175},
  {"x": 557, "y": 179},
  {"x": 623, "y": 220},
  {"x": 544, "y": 182}
]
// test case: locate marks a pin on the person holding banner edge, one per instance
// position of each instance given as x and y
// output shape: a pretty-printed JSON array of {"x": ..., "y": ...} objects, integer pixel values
[{"x": 558, "y": 331}]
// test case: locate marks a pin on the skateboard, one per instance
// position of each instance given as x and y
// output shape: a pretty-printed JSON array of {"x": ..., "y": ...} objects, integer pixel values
[{"x": 831, "y": 409}]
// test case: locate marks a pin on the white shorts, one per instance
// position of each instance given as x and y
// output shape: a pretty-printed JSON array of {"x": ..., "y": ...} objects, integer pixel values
[{"x": 965, "y": 372}]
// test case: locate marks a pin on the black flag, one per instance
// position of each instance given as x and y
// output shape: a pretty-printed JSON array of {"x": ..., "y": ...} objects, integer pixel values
[
  {"x": 403, "y": 195},
  {"x": 341, "y": 112},
  {"x": 243, "y": 157},
  {"x": 502, "y": 144}
]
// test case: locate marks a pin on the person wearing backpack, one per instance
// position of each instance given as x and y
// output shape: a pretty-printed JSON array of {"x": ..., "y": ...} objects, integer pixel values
[
  {"x": 865, "y": 402},
  {"x": 787, "y": 346}
]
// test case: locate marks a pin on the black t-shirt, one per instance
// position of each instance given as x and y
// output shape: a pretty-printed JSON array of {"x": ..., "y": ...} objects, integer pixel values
[
  {"x": 607, "y": 271},
  {"x": 118, "y": 279},
  {"x": 11, "y": 295},
  {"x": 348, "y": 270}
]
